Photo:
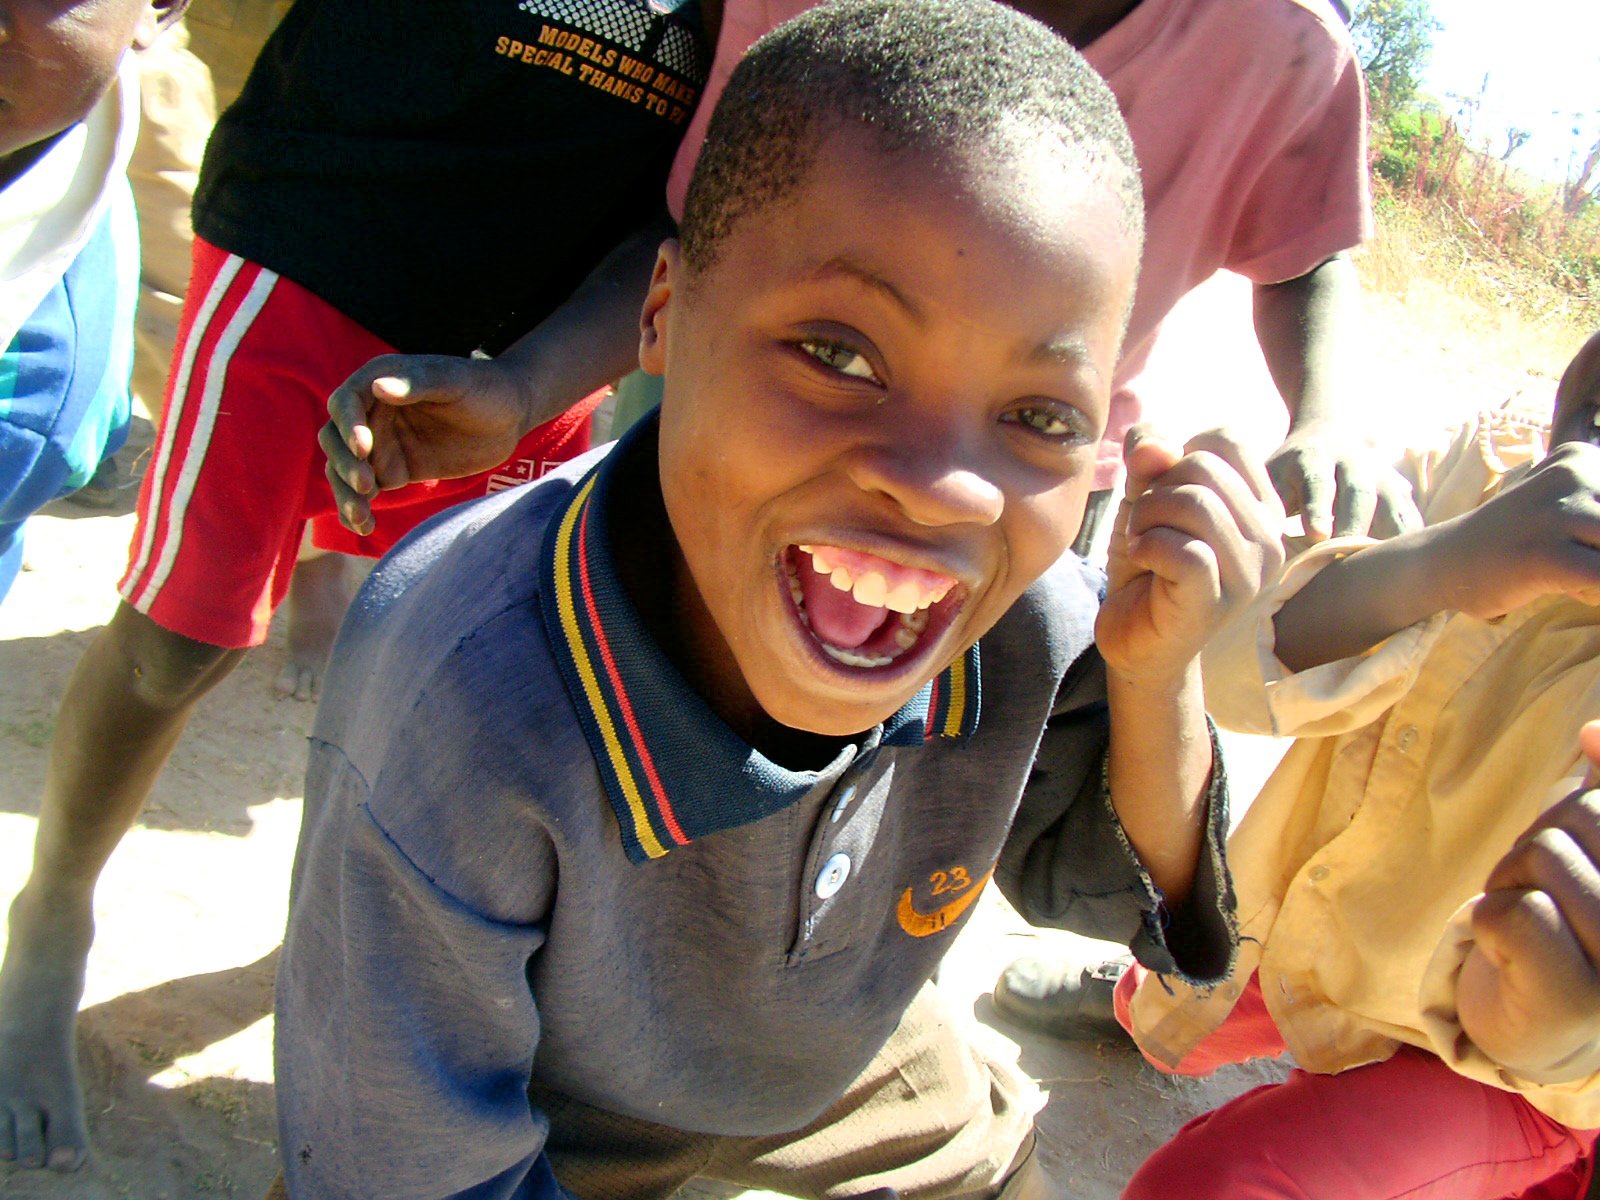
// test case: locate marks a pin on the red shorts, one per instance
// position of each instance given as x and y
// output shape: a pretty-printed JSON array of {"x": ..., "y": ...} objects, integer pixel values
[
  {"x": 237, "y": 473},
  {"x": 1407, "y": 1127}
]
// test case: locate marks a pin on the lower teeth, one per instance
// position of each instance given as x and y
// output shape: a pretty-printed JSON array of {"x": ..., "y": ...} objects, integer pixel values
[{"x": 851, "y": 659}]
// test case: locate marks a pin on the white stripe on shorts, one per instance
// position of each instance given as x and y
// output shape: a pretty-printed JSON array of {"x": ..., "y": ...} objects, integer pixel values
[
  {"x": 205, "y": 419},
  {"x": 173, "y": 417}
]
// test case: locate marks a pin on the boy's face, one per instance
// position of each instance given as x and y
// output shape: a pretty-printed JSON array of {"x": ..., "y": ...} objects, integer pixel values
[
  {"x": 895, "y": 377},
  {"x": 1578, "y": 398},
  {"x": 57, "y": 58}
]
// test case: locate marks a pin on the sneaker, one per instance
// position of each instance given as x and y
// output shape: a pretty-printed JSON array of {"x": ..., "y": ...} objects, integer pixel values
[
  {"x": 1062, "y": 999},
  {"x": 101, "y": 490}
]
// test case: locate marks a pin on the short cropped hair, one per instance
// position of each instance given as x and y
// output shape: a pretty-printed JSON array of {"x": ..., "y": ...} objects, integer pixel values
[{"x": 922, "y": 75}]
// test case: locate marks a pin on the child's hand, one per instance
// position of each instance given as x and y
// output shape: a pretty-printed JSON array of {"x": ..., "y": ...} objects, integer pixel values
[
  {"x": 1540, "y": 537},
  {"x": 1341, "y": 485},
  {"x": 409, "y": 417},
  {"x": 1529, "y": 992},
  {"x": 1197, "y": 537}
]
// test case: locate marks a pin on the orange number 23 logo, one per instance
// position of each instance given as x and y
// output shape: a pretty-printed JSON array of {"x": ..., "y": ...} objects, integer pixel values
[{"x": 953, "y": 882}]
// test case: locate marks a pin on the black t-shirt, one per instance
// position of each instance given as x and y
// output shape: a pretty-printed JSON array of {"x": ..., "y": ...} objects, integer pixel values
[{"x": 446, "y": 173}]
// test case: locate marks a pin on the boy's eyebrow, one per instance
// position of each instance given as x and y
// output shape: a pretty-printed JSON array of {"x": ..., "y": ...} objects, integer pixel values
[
  {"x": 843, "y": 264},
  {"x": 1068, "y": 350}
]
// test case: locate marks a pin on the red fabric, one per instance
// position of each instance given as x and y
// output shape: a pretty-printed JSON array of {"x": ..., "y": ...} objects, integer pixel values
[
  {"x": 1409, "y": 1127},
  {"x": 1249, "y": 1031},
  {"x": 237, "y": 473}
]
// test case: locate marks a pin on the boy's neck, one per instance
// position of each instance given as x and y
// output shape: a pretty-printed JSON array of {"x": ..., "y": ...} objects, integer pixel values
[
  {"x": 1079, "y": 21},
  {"x": 657, "y": 581}
]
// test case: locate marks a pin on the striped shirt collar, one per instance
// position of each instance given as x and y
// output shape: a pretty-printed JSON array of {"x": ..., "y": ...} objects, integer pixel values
[{"x": 673, "y": 771}]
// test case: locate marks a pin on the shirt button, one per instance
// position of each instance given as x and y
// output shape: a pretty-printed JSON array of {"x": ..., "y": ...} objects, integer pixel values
[
  {"x": 1318, "y": 874},
  {"x": 1408, "y": 738},
  {"x": 834, "y": 872},
  {"x": 846, "y": 794}
]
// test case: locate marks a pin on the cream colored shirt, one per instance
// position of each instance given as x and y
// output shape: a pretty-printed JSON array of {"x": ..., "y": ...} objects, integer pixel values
[{"x": 1416, "y": 766}]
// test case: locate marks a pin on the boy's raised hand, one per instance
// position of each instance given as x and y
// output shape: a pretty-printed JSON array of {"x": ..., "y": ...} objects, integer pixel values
[
  {"x": 409, "y": 417},
  {"x": 1538, "y": 538},
  {"x": 1198, "y": 535},
  {"x": 1529, "y": 991}
]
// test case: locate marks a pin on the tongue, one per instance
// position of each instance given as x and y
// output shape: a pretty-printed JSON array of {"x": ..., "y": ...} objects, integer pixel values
[{"x": 836, "y": 617}]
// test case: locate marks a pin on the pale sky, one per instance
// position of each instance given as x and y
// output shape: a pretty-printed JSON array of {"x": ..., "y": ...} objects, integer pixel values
[{"x": 1543, "y": 62}]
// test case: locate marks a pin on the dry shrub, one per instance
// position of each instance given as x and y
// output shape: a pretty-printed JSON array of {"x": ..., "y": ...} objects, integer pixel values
[{"x": 1487, "y": 232}]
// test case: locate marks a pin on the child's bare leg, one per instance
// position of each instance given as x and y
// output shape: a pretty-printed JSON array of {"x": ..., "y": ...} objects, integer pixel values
[
  {"x": 125, "y": 705},
  {"x": 320, "y": 592}
]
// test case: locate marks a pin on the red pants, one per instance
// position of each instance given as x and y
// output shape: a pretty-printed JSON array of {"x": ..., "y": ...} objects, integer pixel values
[
  {"x": 1409, "y": 1127},
  {"x": 237, "y": 474}
]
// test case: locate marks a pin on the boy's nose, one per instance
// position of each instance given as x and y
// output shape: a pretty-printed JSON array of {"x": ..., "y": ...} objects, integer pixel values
[{"x": 932, "y": 483}]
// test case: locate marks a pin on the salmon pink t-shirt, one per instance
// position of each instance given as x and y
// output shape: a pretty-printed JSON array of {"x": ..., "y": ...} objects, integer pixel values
[{"x": 1248, "y": 117}]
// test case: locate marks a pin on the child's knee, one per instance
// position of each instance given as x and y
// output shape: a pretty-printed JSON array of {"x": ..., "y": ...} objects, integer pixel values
[
  {"x": 165, "y": 670},
  {"x": 1198, "y": 1165}
]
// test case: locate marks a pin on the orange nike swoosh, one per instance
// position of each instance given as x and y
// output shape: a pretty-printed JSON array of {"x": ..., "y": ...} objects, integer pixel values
[{"x": 925, "y": 924}]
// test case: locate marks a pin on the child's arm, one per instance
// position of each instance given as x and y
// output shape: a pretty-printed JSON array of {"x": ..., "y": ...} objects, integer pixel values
[
  {"x": 1540, "y": 537},
  {"x": 406, "y": 1028},
  {"x": 1528, "y": 995},
  {"x": 1325, "y": 469},
  {"x": 1196, "y": 540},
  {"x": 409, "y": 417}
]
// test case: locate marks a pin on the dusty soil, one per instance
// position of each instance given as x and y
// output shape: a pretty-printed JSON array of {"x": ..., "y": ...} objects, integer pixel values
[{"x": 175, "y": 1036}]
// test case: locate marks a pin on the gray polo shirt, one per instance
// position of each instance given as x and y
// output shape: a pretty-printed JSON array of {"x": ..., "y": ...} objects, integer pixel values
[{"x": 532, "y": 851}]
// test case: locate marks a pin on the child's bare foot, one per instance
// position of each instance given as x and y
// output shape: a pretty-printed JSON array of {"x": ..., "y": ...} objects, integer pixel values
[
  {"x": 319, "y": 594},
  {"x": 41, "y": 1107}
]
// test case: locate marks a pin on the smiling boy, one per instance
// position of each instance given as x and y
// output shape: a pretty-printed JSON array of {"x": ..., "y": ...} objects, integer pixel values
[{"x": 644, "y": 801}]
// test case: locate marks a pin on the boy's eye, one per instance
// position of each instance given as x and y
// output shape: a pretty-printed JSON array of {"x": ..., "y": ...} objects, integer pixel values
[
  {"x": 1055, "y": 422},
  {"x": 841, "y": 358}
]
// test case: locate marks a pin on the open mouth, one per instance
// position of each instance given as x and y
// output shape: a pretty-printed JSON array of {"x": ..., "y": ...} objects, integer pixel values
[{"x": 865, "y": 611}]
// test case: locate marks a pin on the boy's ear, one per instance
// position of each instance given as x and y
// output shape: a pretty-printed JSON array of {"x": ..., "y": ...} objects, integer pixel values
[
  {"x": 157, "y": 17},
  {"x": 654, "y": 318}
]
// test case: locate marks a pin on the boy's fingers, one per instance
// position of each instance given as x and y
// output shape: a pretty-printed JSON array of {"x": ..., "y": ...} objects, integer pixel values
[
  {"x": 1250, "y": 467},
  {"x": 1589, "y": 743},
  {"x": 395, "y": 380},
  {"x": 1511, "y": 924},
  {"x": 1397, "y": 509},
  {"x": 1188, "y": 562},
  {"x": 347, "y": 412},
  {"x": 352, "y": 472},
  {"x": 355, "y": 513},
  {"x": 1355, "y": 501},
  {"x": 419, "y": 378},
  {"x": 1222, "y": 527},
  {"x": 1306, "y": 489},
  {"x": 1146, "y": 455},
  {"x": 350, "y": 480},
  {"x": 1257, "y": 514},
  {"x": 1559, "y": 900},
  {"x": 1559, "y": 855}
]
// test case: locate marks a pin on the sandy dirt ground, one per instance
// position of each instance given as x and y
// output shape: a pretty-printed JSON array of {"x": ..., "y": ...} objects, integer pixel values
[{"x": 175, "y": 1036}]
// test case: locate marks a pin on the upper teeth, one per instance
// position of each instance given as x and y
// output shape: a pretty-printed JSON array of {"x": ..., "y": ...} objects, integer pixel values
[{"x": 872, "y": 587}]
